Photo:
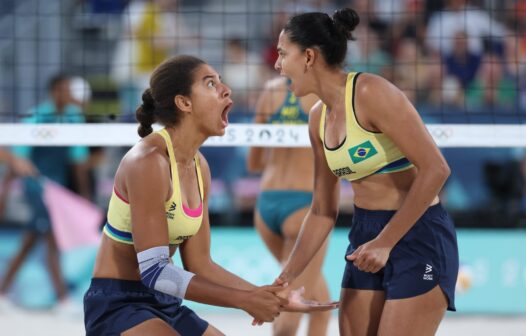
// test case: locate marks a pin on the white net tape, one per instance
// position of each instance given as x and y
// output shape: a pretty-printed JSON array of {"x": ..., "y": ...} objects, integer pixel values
[{"x": 445, "y": 135}]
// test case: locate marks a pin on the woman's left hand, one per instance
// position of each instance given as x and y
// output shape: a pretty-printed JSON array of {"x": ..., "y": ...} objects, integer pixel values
[{"x": 371, "y": 256}]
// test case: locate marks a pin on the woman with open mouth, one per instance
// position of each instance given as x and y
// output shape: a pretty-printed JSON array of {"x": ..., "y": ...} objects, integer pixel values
[
  {"x": 402, "y": 259},
  {"x": 160, "y": 203}
]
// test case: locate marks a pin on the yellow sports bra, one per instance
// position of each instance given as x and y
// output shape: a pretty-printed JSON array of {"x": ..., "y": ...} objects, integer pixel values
[
  {"x": 183, "y": 222},
  {"x": 362, "y": 152}
]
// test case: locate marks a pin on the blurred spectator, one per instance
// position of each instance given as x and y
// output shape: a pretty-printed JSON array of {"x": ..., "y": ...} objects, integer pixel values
[
  {"x": 243, "y": 73},
  {"x": 152, "y": 31},
  {"x": 492, "y": 87},
  {"x": 520, "y": 16},
  {"x": 81, "y": 96},
  {"x": 515, "y": 48},
  {"x": 80, "y": 92},
  {"x": 369, "y": 13},
  {"x": 411, "y": 22},
  {"x": 404, "y": 18},
  {"x": 53, "y": 163},
  {"x": 460, "y": 16},
  {"x": 33, "y": 47},
  {"x": 19, "y": 166},
  {"x": 270, "y": 52},
  {"x": 15, "y": 167},
  {"x": 461, "y": 63},
  {"x": 366, "y": 55},
  {"x": 414, "y": 74},
  {"x": 452, "y": 94},
  {"x": 105, "y": 6}
]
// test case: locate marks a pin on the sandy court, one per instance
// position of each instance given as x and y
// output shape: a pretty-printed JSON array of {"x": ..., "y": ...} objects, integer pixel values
[{"x": 25, "y": 323}]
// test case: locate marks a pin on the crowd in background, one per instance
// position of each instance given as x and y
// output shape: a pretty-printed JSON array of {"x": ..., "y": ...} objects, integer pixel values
[{"x": 457, "y": 60}]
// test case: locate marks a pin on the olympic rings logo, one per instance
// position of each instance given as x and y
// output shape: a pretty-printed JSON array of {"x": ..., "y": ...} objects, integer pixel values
[
  {"x": 442, "y": 133},
  {"x": 45, "y": 133}
]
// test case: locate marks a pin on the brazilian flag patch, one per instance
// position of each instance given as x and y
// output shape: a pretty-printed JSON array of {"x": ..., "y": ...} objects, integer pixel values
[{"x": 362, "y": 152}]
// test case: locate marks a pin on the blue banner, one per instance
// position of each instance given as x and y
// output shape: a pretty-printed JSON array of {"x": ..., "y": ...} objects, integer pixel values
[{"x": 492, "y": 277}]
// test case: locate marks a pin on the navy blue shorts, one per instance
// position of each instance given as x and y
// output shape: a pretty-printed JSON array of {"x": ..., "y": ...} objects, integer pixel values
[
  {"x": 425, "y": 257},
  {"x": 113, "y": 306}
]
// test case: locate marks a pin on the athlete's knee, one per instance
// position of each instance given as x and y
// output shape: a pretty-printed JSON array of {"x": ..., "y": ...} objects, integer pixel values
[
  {"x": 320, "y": 316},
  {"x": 286, "y": 325}
]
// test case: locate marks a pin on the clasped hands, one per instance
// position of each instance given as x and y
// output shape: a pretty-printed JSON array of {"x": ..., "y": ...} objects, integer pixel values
[{"x": 289, "y": 301}]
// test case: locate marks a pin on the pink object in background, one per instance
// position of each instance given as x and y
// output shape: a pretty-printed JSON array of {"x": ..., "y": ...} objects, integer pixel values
[{"x": 75, "y": 220}]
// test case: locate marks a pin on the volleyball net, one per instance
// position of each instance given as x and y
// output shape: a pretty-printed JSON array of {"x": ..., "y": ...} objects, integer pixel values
[
  {"x": 462, "y": 67},
  {"x": 455, "y": 64},
  {"x": 243, "y": 135}
]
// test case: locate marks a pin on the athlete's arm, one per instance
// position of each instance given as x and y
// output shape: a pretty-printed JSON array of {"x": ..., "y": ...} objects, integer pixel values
[
  {"x": 147, "y": 187},
  {"x": 20, "y": 166},
  {"x": 257, "y": 156},
  {"x": 396, "y": 117},
  {"x": 195, "y": 252},
  {"x": 321, "y": 217}
]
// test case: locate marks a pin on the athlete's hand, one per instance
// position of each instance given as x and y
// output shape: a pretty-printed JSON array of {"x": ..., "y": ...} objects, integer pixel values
[
  {"x": 283, "y": 293},
  {"x": 297, "y": 303},
  {"x": 263, "y": 304},
  {"x": 371, "y": 256}
]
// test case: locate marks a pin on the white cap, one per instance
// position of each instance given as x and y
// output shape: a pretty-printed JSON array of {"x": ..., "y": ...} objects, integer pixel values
[{"x": 80, "y": 89}]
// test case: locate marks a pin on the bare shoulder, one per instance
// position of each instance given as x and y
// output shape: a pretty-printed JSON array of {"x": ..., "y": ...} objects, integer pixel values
[
  {"x": 147, "y": 158},
  {"x": 371, "y": 86}
]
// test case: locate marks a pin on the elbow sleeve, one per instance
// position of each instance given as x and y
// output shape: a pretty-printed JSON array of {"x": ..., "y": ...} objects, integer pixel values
[{"x": 157, "y": 272}]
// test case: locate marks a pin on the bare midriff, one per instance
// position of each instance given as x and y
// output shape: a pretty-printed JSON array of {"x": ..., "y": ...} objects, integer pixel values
[{"x": 384, "y": 191}]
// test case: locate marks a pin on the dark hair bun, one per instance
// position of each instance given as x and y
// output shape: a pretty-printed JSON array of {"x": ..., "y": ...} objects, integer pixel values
[
  {"x": 345, "y": 21},
  {"x": 145, "y": 114}
]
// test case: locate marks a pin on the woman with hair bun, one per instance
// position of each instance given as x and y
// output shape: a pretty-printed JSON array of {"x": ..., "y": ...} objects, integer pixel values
[
  {"x": 160, "y": 203},
  {"x": 402, "y": 259}
]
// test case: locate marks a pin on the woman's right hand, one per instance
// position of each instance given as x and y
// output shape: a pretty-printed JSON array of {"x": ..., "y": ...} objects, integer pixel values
[{"x": 263, "y": 304}]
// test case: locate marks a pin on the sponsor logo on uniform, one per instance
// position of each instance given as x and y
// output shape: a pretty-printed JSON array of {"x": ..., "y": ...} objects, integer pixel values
[
  {"x": 362, "y": 152},
  {"x": 170, "y": 213},
  {"x": 183, "y": 237},
  {"x": 428, "y": 274},
  {"x": 343, "y": 171}
]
